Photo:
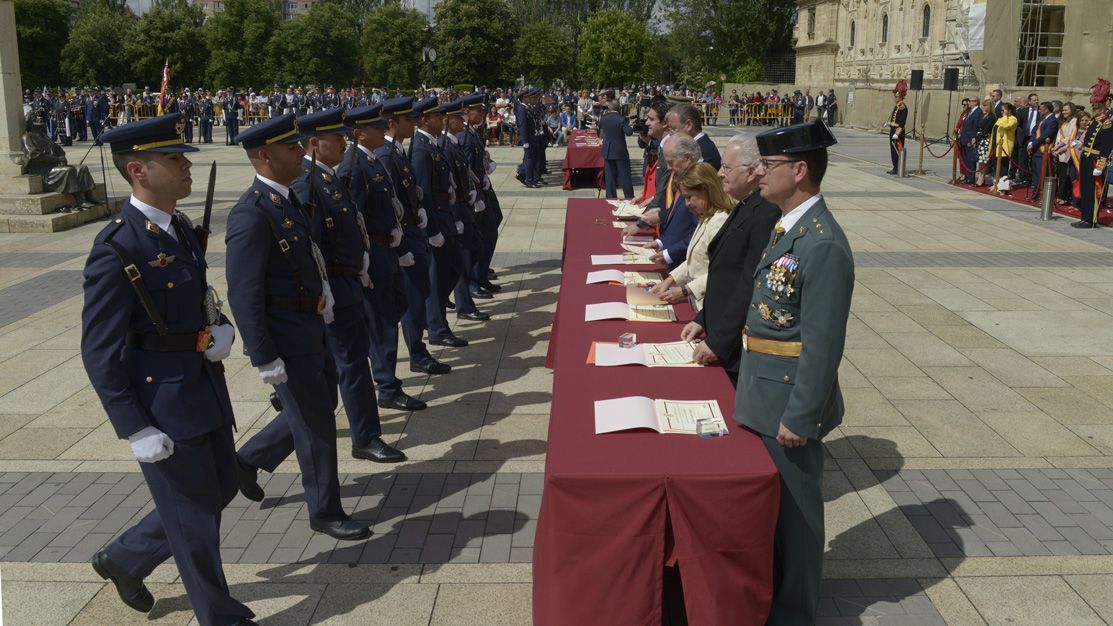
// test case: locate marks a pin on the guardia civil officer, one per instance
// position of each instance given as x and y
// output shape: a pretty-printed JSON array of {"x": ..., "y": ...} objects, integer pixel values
[
  {"x": 231, "y": 106},
  {"x": 400, "y": 114},
  {"x": 488, "y": 211},
  {"x": 152, "y": 341},
  {"x": 371, "y": 189},
  {"x": 788, "y": 387},
  {"x": 280, "y": 295},
  {"x": 432, "y": 171},
  {"x": 464, "y": 196}
]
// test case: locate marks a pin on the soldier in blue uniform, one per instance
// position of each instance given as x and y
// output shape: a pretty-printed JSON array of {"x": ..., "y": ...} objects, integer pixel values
[
  {"x": 432, "y": 170},
  {"x": 488, "y": 211},
  {"x": 100, "y": 108},
  {"x": 187, "y": 107},
  {"x": 231, "y": 106},
  {"x": 80, "y": 107},
  {"x": 400, "y": 114},
  {"x": 205, "y": 113},
  {"x": 277, "y": 102},
  {"x": 371, "y": 188},
  {"x": 92, "y": 114},
  {"x": 527, "y": 169},
  {"x": 41, "y": 109},
  {"x": 280, "y": 295},
  {"x": 152, "y": 342},
  {"x": 464, "y": 198},
  {"x": 61, "y": 118}
]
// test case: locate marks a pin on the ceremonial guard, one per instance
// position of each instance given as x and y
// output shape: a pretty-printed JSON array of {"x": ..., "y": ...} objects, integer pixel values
[
  {"x": 205, "y": 114},
  {"x": 41, "y": 109},
  {"x": 400, "y": 114},
  {"x": 79, "y": 105},
  {"x": 1095, "y": 149},
  {"x": 92, "y": 113},
  {"x": 489, "y": 213},
  {"x": 432, "y": 170},
  {"x": 528, "y": 173},
  {"x": 280, "y": 295},
  {"x": 152, "y": 342},
  {"x": 276, "y": 102},
  {"x": 897, "y": 121},
  {"x": 788, "y": 388},
  {"x": 188, "y": 108},
  {"x": 465, "y": 198},
  {"x": 62, "y": 127},
  {"x": 345, "y": 246},
  {"x": 231, "y": 106}
]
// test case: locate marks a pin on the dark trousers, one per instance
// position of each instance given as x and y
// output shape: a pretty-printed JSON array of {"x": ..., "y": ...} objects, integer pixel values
[
  {"x": 307, "y": 426},
  {"x": 538, "y": 158},
  {"x": 385, "y": 304},
  {"x": 616, "y": 172},
  {"x": 1022, "y": 168},
  {"x": 443, "y": 274},
  {"x": 1091, "y": 189},
  {"x": 82, "y": 132},
  {"x": 487, "y": 222},
  {"x": 416, "y": 280},
  {"x": 348, "y": 370},
  {"x": 798, "y": 543},
  {"x": 95, "y": 127},
  {"x": 189, "y": 489},
  {"x": 467, "y": 244},
  {"x": 894, "y": 153},
  {"x": 189, "y": 130},
  {"x": 206, "y": 130},
  {"x": 232, "y": 128},
  {"x": 528, "y": 169},
  {"x": 969, "y": 163}
]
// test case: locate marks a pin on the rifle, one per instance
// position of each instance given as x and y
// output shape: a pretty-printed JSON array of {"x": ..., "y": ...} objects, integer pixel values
[{"x": 203, "y": 230}]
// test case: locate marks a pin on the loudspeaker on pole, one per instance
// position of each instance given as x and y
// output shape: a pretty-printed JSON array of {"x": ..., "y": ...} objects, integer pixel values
[
  {"x": 917, "y": 82},
  {"x": 950, "y": 79}
]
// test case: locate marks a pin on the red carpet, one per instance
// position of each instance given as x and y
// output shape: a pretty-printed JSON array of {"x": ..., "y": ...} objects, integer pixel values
[{"x": 1019, "y": 195}]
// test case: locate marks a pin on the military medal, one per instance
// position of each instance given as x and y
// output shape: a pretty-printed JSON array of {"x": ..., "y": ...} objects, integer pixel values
[
  {"x": 764, "y": 311},
  {"x": 783, "y": 319},
  {"x": 162, "y": 260}
]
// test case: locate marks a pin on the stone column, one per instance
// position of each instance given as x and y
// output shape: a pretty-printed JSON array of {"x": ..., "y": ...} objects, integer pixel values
[{"x": 11, "y": 93}]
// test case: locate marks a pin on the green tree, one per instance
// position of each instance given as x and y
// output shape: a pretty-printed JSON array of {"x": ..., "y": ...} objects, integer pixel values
[
  {"x": 391, "y": 43},
  {"x": 543, "y": 53},
  {"x": 472, "y": 39},
  {"x": 92, "y": 55},
  {"x": 726, "y": 36},
  {"x": 171, "y": 30},
  {"x": 317, "y": 47},
  {"x": 239, "y": 38},
  {"x": 42, "y": 27},
  {"x": 616, "y": 48}
]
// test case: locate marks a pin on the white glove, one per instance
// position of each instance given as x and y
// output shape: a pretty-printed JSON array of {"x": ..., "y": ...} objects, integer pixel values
[
  {"x": 471, "y": 196},
  {"x": 223, "y": 337},
  {"x": 364, "y": 277},
  {"x": 486, "y": 183},
  {"x": 491, "y": 165},
  {"x": 395, "y": 237},
  {"x": 273, "y": 373},
  {"x": 525, "y": 145},
  {"x": 330, "y": 302},
  {"x": 480, "y": 206},
  {"x": 406, "y": 260},
  {"x": 150, "y": 445},
  {"x": 895, "y": 136},
  {"x": 459, "y": 228},
  {"x": 1097, "y": 171},
  {"x": 437, "y": 240},
  {"x": 422, "y": 218}
]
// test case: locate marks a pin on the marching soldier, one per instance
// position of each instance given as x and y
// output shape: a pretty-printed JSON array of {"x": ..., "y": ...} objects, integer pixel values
[
  {"x": 897, "y": 121},
  {"x": 152, "y": 343},
  {"x": 371, "y": 188},
  {"x": 1096, "y": 146},
  {"x": 432, "y": 170},
  {"x": 279, "y": 292},
  {"x": 788, "y": 389},
  {"x": 400, "y": 114},
  {"x": 231, "y": 106},
  {"x": 205, "y": 113},
  {"x": 488, "y": 212},
  {"x": 465, "y": 196},
  {"x": 527, "y": 130}
]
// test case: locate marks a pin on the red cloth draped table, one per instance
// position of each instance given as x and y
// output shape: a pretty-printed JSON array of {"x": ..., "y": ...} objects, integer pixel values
[
  {"x": 618, "y": 507},
  {"x": 583, "y": 160}
]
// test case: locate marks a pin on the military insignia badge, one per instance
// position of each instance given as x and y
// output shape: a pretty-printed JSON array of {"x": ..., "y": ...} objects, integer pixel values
[
  {"x": 327, "y": 178},
  {"x": 180, "y": 126},
  {"x": 162, "y": 260},
  {"x": 287, "y": 223},
  {"x": 765, "y": 312},
  {"x": 153, "y": 227},
  {"x": 783, "y": 319},
  {"x": 275, "y": 198},
  {"x": 337, "y": 195}
]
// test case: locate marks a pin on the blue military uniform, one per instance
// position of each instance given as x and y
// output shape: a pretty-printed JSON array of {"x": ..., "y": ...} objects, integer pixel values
[
  {"x": 466, "y": 191},
  {"x": 275, "y": 288},
  {"x": 277, "y": 102},
  {"x": 231, "y": 106},
  {"x": 614, "y": 129},
  {"x": 144, "y": 331},
  {"x": 205, "y": 112},
  {"x": 188, "y": 109},
  {"x": 488, "y": 220}
]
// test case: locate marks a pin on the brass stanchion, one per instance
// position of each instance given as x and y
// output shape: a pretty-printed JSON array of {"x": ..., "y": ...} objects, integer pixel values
[
  {"x": 923, "y": 142},
  {"x": 954, "y": 162}
]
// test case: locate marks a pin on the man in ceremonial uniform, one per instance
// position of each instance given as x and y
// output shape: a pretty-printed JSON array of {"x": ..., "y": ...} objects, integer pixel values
[
  {"x": 528, "y": 172},
  {"x": 400, "y": 114},
  {"x": 188, "y": 109},
  {"x": 41, "y": 109},
  {"x": 276, "y": 102},
  {"x": 897, "y": 120},
  {"x": 279, "y": 292},
  {"x": 465, "y": 196},
  {"x": 62, "y": 120},
  {"x": 92, "y": 113},
  {"x": 788, "y": 388},
  {"x": 231, "y": 107},
  {"x": 489, "y": 214},
  {"x": 80, "y": 107},
  {"x": 432, "y": 171},
  {"x": 152, "y": 341},
  {"x": 205, "y": 113},
  {"x": 1096, "y": 146}
]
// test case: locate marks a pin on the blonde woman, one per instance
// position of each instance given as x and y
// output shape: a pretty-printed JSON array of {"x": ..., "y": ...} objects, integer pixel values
[{"x": 709, "y": 202}]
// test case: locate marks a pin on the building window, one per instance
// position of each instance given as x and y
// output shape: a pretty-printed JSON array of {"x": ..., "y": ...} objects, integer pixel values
[
  {"x": 1040, "y": 48},
  {"x": 853, "y": 33},
  {"x": 925, "y": 31},
  {"x": 811, "y": 23},
  {"x": 885, "y": 28}
]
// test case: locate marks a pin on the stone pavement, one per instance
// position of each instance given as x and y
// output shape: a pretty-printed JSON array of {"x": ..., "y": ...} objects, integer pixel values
[{"x": 971, "y": 483}]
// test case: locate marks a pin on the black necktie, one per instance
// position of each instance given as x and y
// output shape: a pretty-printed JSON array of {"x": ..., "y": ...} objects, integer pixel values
[{"x": 179, "y": 232}]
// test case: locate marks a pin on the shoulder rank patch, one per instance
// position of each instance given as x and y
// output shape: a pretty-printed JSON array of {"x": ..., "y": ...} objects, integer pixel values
[
  {"x": 275, "y": 198},
  {"x": 153, "y": 227},
  {"x": 162, "y": 260}
]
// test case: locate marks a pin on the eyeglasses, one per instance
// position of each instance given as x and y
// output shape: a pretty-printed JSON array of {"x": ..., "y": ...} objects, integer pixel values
[
  {"x": 770, "y": 165},
  {"x": 727, "y": 169}
]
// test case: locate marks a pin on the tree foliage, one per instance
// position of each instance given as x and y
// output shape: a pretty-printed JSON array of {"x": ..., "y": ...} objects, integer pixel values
[
  {"x": 92, "y": 54},
  {"x": 569, "y": 15},
  {"x": 616, "y": 48},
  {"x": 472, "y": 38},
  {"x": 543, "y": 53},
  {"x": 239, "y": 39},
  {"x": 726, "y": 36},
  {"x": 42, "y": 28},
  {"x": 392, "y": 40},
  {"x": 319, "y": 47},
  {"x": 171, "y": 30}
]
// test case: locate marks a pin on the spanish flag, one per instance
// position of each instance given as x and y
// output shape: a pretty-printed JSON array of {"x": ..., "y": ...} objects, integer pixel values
[{"x": 165, "y": 84}]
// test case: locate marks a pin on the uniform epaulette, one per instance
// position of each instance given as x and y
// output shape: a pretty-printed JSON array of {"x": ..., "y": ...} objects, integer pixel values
[{"x": 110, "y": 230}]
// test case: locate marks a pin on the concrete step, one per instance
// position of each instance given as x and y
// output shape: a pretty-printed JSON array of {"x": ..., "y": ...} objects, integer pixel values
[
  {"x": 21, "y": 184},
  {"x": 56, "y": 222},
  {"x": 42, "y": 203}
]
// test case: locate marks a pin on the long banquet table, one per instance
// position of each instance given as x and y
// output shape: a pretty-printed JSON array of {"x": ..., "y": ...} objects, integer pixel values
[{"x": 619, "y": 507}]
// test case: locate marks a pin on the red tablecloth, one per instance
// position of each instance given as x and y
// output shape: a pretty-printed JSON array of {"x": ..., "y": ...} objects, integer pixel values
[
  {"x": 618, "y": 507},
  {"x": 584, "y": 159}
]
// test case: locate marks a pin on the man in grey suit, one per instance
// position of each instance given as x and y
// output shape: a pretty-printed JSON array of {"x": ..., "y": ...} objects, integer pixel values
[
  {"x": 613, "y": 130},
  {"x": 788, "y": 387}
]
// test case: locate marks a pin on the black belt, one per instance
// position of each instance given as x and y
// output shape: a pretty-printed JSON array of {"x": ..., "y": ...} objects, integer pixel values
[
  {"x": 297, "y": 305},
  {"x": 190, "y": 342},
  {"x": 379, "y": 240},
  {"x": 343, "y": 270}
]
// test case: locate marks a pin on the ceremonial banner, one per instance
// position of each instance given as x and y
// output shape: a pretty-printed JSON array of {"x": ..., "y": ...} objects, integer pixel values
[{"x": 165, "y": 84}]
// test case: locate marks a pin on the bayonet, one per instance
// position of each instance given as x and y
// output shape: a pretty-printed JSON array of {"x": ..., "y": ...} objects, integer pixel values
[{"x": 203, "y": 230}]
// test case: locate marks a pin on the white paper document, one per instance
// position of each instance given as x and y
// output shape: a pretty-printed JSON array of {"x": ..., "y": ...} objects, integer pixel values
[
  {"x": 607, "y": 259},
  {"x": 623, "y": 208},
  {"x": 637, "y": 240},
  {"x": 606, "y": 276},
  {"x": 641, "y": 278},
  {"x": 633, "y": 313},
  {"x": 640, "y": 296},
  {"x": 663, "y": 416},
  {"x": 673, "y": 354}
]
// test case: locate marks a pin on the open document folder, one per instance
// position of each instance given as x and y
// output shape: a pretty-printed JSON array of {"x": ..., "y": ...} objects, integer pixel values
[
  {"x": 631, "y": 312},
  {"x": 624, "y": 208},
  {"x": 621, "y": 277},
  {"x": 663, "y": 416},
  {"x": 673, "y": 354}
]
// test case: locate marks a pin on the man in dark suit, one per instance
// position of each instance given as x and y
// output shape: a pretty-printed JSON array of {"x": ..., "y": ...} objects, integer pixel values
[
  {"x": 677, "y": 223},
  {"x": 734, "y": 254},
  {"x": 152, "y": 341},
  {"x": 1027, "y": 117},
  {"x": 613, "y": 130},
  {"x": 1040, "y": 143},
  {"x": 685, "y": 118},
  {"x": 968, "y": 138}
]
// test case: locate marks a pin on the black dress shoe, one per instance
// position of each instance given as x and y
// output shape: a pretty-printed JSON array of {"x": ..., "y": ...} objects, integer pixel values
[
  {"x": 432, "y": 366},
  {"x": 402, "y": 402},
  {"x": 491, "y": 275},
  {"x": 482, "y": 294},
  {"x": 490, "y": 286},
  {"x": 248, "y": 622},
  {"x": 892, "y": 172},
  {"x": 452, "y": 341},
  {"x": 475, "y": 316},
  {"x": 536, "y": 185},
  {"x": 1082, "y": 224},
  {"x": 449, "y": 304},
  {"x": 247, "y": 478},
  {"x": 342, "y": 529},
  {"x": 378, "y": 451},
  {"x": 521, "y": 179},
  {"x": 131, "y": 589}
]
